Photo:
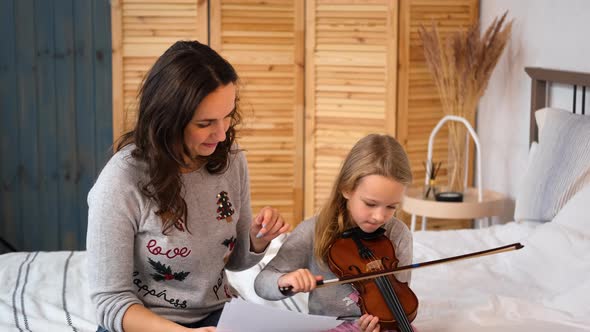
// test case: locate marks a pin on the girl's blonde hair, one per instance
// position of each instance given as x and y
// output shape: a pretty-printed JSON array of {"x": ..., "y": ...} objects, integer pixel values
[{"x": 372, "y": 155}]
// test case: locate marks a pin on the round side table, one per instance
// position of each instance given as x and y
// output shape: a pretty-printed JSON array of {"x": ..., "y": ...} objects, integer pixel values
[{"x": 492, "y": 204}]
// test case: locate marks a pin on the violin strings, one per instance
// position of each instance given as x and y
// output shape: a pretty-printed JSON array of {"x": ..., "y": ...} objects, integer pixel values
[
  {"x": 401, "y": 318},
  {"x": 385, "y": 287},
  {"x": 391, "y": 298}
]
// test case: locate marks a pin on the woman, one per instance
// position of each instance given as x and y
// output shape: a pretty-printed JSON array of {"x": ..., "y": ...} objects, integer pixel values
[{"x": 171, "y": 209}]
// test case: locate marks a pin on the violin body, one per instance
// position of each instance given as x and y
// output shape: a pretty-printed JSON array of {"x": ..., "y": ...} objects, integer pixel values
[{"x": 358, "y": 252}]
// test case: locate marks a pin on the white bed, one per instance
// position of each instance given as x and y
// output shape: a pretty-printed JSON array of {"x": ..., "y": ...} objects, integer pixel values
[{"x": 543, "y": 287}]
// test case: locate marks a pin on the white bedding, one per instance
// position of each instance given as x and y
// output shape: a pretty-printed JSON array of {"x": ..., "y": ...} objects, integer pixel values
[
  {"x": 44, "y": 291},
  {"x": 542, "y": 287}
]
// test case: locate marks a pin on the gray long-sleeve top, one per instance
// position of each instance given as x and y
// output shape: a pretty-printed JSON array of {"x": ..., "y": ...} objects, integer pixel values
[
  {"x": 179, "y": 276},
  {"x": 297, "y": 253}
]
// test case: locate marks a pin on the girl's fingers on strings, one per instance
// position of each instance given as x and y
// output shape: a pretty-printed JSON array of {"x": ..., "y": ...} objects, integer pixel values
[
  {"x": 373, "y": 325},
  {"x": 369, "y": 323}
]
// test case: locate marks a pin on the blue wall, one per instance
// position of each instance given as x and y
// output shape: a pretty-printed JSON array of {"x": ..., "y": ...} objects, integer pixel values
[{"x": 56, "y": 118}]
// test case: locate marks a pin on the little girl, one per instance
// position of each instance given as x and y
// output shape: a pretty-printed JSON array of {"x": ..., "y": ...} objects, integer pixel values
[{"x": 366, "y": 194}]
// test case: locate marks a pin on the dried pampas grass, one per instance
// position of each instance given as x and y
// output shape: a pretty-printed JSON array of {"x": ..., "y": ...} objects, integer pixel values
[{"x": 461, "y": 66}]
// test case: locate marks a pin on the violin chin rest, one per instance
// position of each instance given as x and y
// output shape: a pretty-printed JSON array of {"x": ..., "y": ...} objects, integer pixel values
[{"x": 362, "y": 234}]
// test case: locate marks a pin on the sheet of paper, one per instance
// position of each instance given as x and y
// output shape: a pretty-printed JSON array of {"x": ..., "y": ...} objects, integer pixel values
[{"x": 239, "y": 315}]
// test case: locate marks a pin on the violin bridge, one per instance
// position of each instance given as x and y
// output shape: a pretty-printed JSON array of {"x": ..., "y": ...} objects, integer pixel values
[{"x": 374, "y": 266}]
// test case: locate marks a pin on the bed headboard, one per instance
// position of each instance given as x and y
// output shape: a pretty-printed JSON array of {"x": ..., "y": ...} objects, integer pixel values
[{"x": 541, "y": 79}]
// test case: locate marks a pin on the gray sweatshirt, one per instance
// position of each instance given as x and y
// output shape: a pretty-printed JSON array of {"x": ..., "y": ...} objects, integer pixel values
[
  {"x": 179, "y": 276},
  {"x": 297, "y": 253}
]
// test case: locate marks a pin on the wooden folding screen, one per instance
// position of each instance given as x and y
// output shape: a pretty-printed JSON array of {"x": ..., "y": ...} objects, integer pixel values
[
  {"x": 316, "y": 75},
  {"x": 351, "y": 72}
]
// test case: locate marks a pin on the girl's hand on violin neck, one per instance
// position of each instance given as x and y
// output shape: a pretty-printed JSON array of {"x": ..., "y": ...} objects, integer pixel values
[
  {"x": 267, "y": 225},
  {"x": 369, "y": 323},
  {"x": 301, "y": 280}
]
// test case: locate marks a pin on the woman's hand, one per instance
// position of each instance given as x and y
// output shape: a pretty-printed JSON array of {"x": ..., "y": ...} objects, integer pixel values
[
  {"x": 301, "y": 280},
  {"x": 267, "y": 225},
  {"x": 205, "y": 329},
  {"x": 369, "y": 323}
]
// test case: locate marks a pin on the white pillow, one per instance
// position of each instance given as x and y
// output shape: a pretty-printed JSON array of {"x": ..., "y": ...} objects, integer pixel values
[
  {"x": 531, "y": 155},
  {"x": 575, "y": 213},
  {"x": 541, "y": 115},
  {"x": 559, "y": 168}
]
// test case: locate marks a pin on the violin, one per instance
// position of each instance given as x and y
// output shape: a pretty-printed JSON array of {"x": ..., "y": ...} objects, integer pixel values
[
  {"x": 347, "y": 257},
  {"x": 356, "y": 253}
]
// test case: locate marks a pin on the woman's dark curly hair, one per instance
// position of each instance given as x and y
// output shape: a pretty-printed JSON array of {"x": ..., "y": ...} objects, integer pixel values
[{"x": 170, "y": 93}]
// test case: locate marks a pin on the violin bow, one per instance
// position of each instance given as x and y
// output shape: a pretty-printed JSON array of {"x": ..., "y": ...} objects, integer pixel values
[{"x": 382, "y": 273}]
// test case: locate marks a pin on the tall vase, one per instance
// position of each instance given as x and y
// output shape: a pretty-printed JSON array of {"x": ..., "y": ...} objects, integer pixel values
[{"x": 456, "y": 157}]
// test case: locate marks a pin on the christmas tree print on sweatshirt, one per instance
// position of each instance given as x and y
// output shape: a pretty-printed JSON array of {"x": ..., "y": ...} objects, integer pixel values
[{"x": 224, "y": 207}]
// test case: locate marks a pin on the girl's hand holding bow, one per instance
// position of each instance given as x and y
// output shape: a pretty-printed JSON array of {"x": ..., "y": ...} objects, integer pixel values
[{"x": 301, "y": 280}]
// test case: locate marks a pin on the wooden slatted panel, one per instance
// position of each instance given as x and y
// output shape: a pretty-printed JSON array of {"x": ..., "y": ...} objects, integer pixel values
[
  {"x": 142, "y": 30},
  {"x": 350, "y": 84},
  {"x": 419, "y": 107},
  {"x": 264, "y": 42}
]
